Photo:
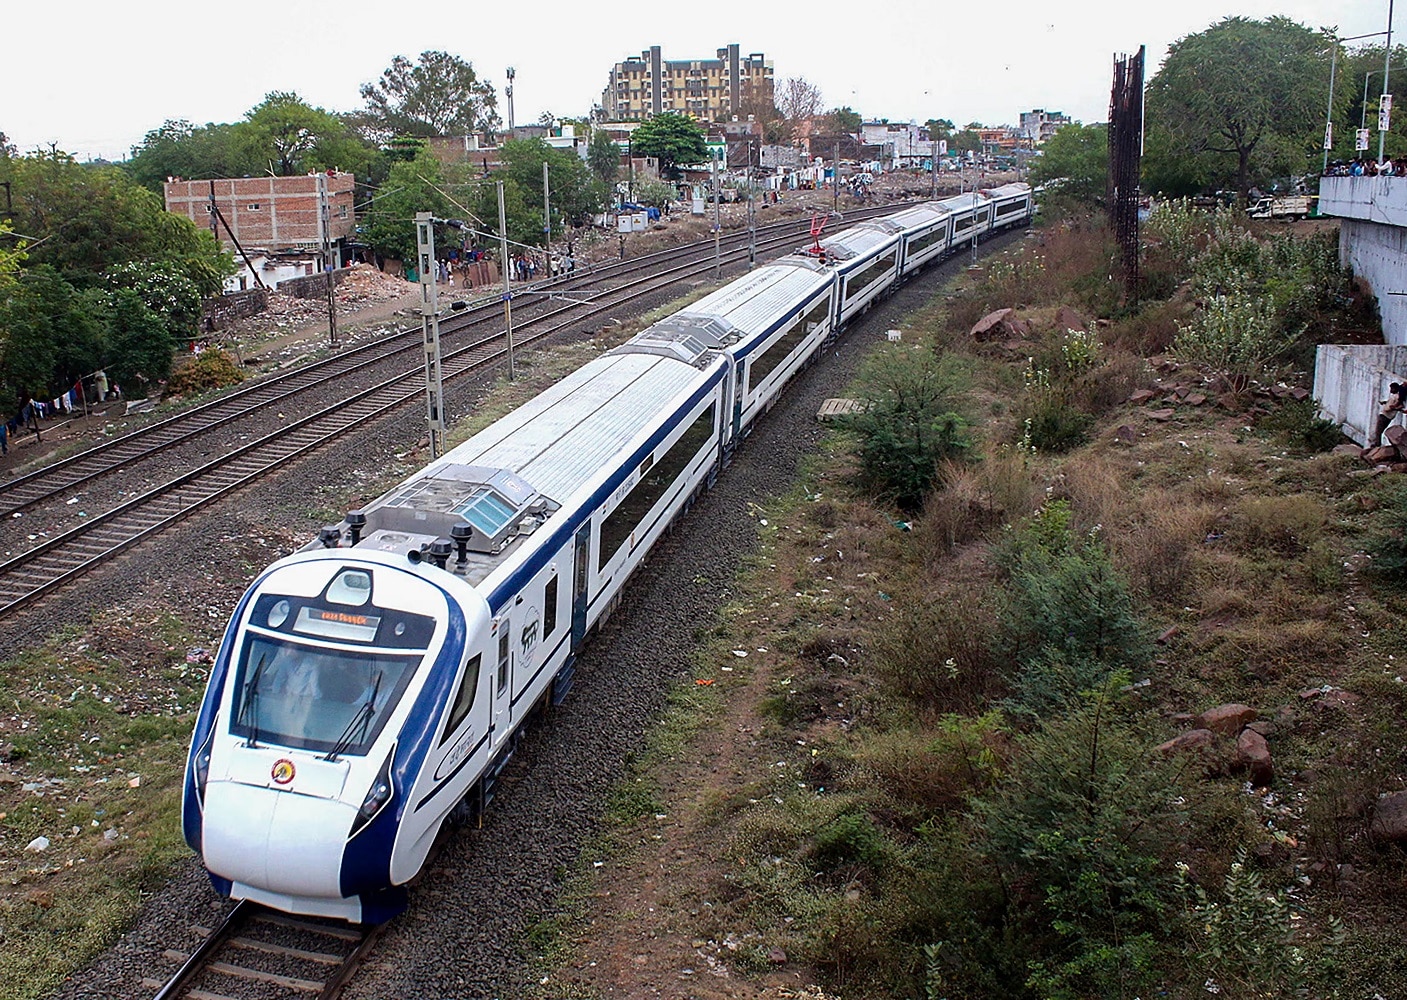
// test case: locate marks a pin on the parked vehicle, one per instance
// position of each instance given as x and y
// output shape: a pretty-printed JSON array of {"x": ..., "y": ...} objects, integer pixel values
[{"x": 1289, "y": 208}]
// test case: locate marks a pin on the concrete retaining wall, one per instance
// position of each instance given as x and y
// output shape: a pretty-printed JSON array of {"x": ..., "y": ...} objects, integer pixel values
[{"x": 1351, "y": 380}]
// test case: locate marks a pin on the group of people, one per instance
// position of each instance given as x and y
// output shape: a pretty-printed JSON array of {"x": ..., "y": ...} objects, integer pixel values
[
  {"x": 31, "y": 411},
  {"x": 1366, "y": 166}
]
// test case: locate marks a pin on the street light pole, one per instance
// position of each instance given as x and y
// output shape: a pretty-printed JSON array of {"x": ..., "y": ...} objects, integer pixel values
[
  {"x": 1387, "y": 58},
  {"x": 751, "y": 212}
]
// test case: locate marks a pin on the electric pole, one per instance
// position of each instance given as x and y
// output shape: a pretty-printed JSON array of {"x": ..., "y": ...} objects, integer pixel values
[
  {"x": 430, "y": 328},
  {"x": 751, "y": 212},
  {"x": 717, "y": 227},
  {"x": 835, "y": 197},
  {"x": 547, "y": 219},
  {"x": 507, "y": 292},
  {"x": 329, "y": 265}
]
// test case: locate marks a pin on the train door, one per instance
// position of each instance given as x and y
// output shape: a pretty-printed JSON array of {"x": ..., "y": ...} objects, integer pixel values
[
  {"x": 503, "y": 683},
  {"x": 581, "y": 575}
]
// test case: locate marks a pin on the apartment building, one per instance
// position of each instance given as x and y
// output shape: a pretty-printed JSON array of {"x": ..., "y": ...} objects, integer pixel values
[{"x": 709, "y": 89}]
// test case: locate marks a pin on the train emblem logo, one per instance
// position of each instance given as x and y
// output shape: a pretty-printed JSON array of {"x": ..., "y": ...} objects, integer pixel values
[
  {"x": 283, "y": 771},
  {"x": 528, "y": 638}
]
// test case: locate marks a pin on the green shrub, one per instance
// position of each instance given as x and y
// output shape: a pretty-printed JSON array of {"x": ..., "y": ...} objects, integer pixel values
[
  {"x": 1068, "y": 618},
  {"x": 849, "y": 839},
  {"x": 210, "y": 369},
  {"x": 1299, "y": 425},
  {"x": 1079, "y": 830},
  {"x": 1234, "y": 337},
  {"x": 909, "y": 426},
  {"x": 1386, "y": 536}
]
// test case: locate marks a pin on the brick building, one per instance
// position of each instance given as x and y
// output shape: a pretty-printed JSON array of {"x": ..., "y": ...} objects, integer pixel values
[
  {"x": 269, "y": 213},
  {"x": 709, "y": 89}
]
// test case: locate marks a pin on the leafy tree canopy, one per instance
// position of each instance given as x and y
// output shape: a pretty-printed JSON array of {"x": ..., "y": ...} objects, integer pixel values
[
  {"x": 440, "y": 94},
  {"x": 672, "y": 138},
  {"x": 843, "y": 119},
  {"x": 1245, "y": 97},
  {"x": 292, "y": 137},
  {"x": 411, "y": 186},
  {"x": 603, "y": 156},
  {"x": 575, "y": 194},
  {"x": 87, "y": 219},
  {"x": 1078, "y": 157}
]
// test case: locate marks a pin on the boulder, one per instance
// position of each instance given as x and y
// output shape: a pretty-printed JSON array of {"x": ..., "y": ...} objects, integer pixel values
[
  {"x": 984, "y": 328},
  {"x": 1385, "y": 453},
  {"x": 1161, "y": 415},
  {"x": 1067, "y": 319},
  {"x": 1227, "y": 719},
  {"x": 1193, "y": 739},
  {"x": 1390, "y": 817},
  {"x": 1125, "y": 434},
  {"x": 1253, "y": 753},
  {"x": 1140, "y": 397},
  {"x": 1195, "y": 398},
  {"x": 1396, "y": 435}
]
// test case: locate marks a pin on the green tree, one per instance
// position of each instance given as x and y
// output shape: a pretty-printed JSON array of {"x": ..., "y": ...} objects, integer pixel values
[
  {"x": 411, "y": 186},
  {"x": 49, "y": 336},
  {"x": 672, "y": 138},
  {"x": 1078, "y": 157},
  {"x": 195, "y": 152},
  {"x": 574, "y": 193},
  {"x": 440, "y": 94},
  {"x": 139, "y": 344},
  {"x": 603, "y": 156},
  {"x": 965, "y": 141},
  {"x": 90, "y": 218},
  {"x": 844, "y": 119},
  {"x": 1246, "y": 95},
  {"x": 293, "y": 137}
]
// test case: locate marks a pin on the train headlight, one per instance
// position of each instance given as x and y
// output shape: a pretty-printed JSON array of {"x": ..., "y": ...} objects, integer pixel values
[
  {"x": 380, "y": 792},
  {"x": 202, "y": 766}
]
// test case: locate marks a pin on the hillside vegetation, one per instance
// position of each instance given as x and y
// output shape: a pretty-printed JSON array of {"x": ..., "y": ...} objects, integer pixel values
[{"x": 1068, "y": 671}]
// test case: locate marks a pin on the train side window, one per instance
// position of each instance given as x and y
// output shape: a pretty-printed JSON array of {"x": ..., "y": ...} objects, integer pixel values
[
  {"x": 549, "y": 607},
  {"x": 464, "y": 697},
  {"x": 503, "y": 659},
  {"x": 768, "y": 361},
  {"x": 631, "y": 511}
]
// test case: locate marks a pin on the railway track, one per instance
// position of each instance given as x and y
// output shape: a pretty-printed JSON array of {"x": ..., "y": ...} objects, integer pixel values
[
  {"x": 56, "y": 561},
  {"x": 60, "y": 478},
  {"x": 257, "y": 954}
]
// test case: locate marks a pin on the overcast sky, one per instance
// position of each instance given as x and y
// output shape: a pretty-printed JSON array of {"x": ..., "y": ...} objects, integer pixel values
[{"x": 94, "y": 77}]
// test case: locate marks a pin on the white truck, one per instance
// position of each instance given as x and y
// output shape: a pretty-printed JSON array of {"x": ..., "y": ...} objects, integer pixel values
[{"x": 1290, "y": 208}]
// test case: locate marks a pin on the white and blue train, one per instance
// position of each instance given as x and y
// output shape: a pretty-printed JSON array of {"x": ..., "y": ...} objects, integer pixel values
[{"x": 373, "y": 684}]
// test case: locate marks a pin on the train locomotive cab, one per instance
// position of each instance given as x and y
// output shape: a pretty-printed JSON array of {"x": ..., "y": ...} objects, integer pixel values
[{"x": 328, "y": 693}]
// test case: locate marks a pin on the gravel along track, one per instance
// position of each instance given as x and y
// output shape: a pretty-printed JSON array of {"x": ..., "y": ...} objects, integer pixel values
[{"x": 461, "y": 936}]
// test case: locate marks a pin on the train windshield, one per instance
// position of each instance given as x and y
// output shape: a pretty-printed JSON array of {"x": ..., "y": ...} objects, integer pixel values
[{"x": 335, "y": 701}]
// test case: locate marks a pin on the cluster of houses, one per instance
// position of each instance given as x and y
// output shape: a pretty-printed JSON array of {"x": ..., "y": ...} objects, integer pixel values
[{"x": 284, "y": 228}]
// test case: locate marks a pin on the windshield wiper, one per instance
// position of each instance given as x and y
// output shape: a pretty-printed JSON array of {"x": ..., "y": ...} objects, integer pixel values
[
  {"x": 251, "y": 699},
  {"x": 357, "y": 727}
]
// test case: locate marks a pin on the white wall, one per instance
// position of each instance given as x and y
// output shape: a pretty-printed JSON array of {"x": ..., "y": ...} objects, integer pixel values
[{"x": 1350, "y": 382}]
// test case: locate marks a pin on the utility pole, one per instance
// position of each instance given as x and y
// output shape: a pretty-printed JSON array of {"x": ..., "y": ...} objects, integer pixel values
[
  {"x": 329, "y": 265},
  {"x": 717, "y": 227},
  {"x": 547, "y": 219},
  {"x": 835, "y": 195},
  {"x": 933, "y": 157},
  {"x": 507, "y": 292},
  {"x": 430, "y": 328},
  {"x": 751, "y": 212}
]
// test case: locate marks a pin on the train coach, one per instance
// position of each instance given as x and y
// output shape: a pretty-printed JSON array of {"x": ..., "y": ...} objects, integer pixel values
[{"x": 372, "y": 685}]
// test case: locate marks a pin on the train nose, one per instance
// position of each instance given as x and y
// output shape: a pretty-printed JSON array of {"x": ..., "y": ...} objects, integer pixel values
[{"x": 275, "y": 840}]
